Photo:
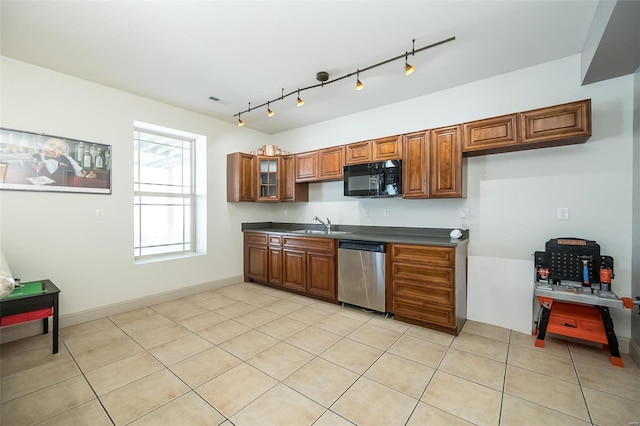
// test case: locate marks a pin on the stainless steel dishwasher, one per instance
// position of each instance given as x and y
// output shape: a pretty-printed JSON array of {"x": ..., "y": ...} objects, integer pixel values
[{"x": 361, "y": 273}]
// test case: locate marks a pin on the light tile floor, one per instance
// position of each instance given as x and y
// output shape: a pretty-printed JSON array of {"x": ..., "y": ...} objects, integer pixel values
[{"x": 251, "y": 355}]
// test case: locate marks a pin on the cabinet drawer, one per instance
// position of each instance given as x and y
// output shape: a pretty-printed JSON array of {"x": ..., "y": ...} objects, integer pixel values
[
  {"x": 251, "y": 238},
  {"x": 309, "y": 244},
  {"x": 274, "y": 239},
  {"x": 443, "y": 277},
  {"x": 431, "y": 255},
  {"x": 426, "y": 312},
  {"x": 404, "y": 289}
]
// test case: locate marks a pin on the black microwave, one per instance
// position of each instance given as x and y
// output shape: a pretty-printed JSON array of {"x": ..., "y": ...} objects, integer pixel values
[{"x": 380, "y": 179}]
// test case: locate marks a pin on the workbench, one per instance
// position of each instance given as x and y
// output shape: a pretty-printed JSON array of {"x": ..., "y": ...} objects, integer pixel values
[{"x": 579, "y": 312}]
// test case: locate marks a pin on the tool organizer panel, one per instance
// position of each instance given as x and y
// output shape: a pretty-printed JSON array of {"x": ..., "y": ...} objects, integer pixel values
[{"x": 575, "y": 260}]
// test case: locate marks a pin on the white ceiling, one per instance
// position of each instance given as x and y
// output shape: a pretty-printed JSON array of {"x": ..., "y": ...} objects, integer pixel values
[{"x": 182, "y": 52}]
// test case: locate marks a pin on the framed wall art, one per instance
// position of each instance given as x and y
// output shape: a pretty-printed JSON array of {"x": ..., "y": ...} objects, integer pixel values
[{"x": 39, "y": 162}]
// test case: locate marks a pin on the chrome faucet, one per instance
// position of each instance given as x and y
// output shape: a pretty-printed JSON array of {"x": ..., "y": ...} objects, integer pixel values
[{"x": 327, "y": 225}]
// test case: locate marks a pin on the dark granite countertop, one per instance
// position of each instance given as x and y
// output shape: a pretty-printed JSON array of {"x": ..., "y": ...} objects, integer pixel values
[{"x": 387, "y": 234}]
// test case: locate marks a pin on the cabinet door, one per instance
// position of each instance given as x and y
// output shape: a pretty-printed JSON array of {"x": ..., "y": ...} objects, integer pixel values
[
  {"x": 446, "y": 163},
  {"x": 292, "y": 191},
  {"x": 307, "y": 166},
  {"x": 331, "y": 163},
  {"x": 256, "y": 263},
  {"x": 294, "y": 269},
  {"x": 389, "y": 148},
  {"x": 321, "y": 275},
  {"x": 566, "y": 123},
  {"x": 490, "y": 136},
  {"x": 240, "y": 177},
  {"x": 415, "y": 160},
  {"x": 358, "y": 153},
  {"x": 268, "y": 179},
  {"x": 275, "y": 266}
]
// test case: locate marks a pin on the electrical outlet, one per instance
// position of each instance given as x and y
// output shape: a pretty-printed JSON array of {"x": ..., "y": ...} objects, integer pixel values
[
  {"x": 99, "y": 214},
  {"x": 365, "y": 212},
  {"x": 464, "y": 213},
  {"x": 387, "y": 212},
  {"x": 286, "y": 212},
  {"x": 563, "y": 213}
]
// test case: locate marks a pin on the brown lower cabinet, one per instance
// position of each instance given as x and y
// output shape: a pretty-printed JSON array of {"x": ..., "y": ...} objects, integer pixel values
[
  {"x": 427, "y": 285},
  {"x": 303, "y": 265}
]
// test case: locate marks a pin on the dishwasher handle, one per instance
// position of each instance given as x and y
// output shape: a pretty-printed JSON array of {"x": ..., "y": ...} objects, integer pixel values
[{"x": 374, "y": 246}]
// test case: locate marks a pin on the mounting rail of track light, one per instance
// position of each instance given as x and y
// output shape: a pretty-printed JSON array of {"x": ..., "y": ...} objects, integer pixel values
[{"x": 323, "y": 78}]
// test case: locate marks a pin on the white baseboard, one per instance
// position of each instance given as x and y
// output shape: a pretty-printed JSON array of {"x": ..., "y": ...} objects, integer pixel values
[{"x": 32, "y": 328}]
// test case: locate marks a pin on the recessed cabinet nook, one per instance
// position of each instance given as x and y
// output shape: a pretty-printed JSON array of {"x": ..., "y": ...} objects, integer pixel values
[{"x": 431, "y": 159}]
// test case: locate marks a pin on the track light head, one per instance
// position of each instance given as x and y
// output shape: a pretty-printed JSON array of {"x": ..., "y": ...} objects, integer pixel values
[
  {"x": 240, "y": 122},
  {"x": 269, "y": 112},
  {"x": 359, "y": 84},
  {"x": 299, "y": 102},
  {"x": 408, "y": 68}
]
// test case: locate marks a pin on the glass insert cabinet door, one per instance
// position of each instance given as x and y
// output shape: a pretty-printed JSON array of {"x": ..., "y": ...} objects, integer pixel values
[{"x": 268, "y": 169}]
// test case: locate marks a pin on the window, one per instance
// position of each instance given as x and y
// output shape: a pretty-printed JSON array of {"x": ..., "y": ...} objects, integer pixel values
[{"x": 163, "y": 193}]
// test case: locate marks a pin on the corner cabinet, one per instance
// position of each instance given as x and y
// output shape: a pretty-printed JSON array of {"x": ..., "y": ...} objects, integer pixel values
[
  {"x": 292, "y": 191},
  {"x": 427, "y": 285},
  {"x": 432, "y": 164}
]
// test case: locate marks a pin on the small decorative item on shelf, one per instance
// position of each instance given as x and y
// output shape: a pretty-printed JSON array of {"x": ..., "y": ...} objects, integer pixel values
[{"x": 269, "y": 151}]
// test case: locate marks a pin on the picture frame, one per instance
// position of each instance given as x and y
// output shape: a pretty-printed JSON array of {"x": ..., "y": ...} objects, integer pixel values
[{"x": 47, "y": 163}]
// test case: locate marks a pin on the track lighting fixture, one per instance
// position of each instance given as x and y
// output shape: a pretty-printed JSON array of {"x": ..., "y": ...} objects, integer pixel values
[
  {"x": 408, "y": 68},
  {"x": 359, "y": 84},
  {"x": 299, "y": 102},
  {"x": 323, "y": 78}
]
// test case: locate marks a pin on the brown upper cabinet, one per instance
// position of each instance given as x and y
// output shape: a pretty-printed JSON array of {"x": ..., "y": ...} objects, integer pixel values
[
  {"x": 558, "y": 125},
  {"x": 321, "y": 165},
  {"x": 389, "y": 148},
  {"x": 292, "y": 191},
  {"x": 491, "y": 134},
  {"x": 415, "y": 165},
  {"x": 446, "y": 163},
  {"x": 432, "y": 164},
  {"x": 240, "y": 177},
  {"x": 358, "y": 153},
  {"x": 307, "y": 166}
]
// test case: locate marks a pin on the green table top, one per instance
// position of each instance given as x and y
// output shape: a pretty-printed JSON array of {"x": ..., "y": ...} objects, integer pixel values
[{"x": 28, "y": 289}]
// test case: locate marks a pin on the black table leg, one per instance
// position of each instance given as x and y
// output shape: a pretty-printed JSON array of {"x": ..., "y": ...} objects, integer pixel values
[
  {"x": 45, "y": 325},
  {"x": 55, "y": 323},
  {"x": 611, "y": 336},
  {"x": 542, "y": 326}
]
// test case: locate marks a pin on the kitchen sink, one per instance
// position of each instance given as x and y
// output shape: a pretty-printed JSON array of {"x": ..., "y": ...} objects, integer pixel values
[{"x": 316, "y": 232}]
